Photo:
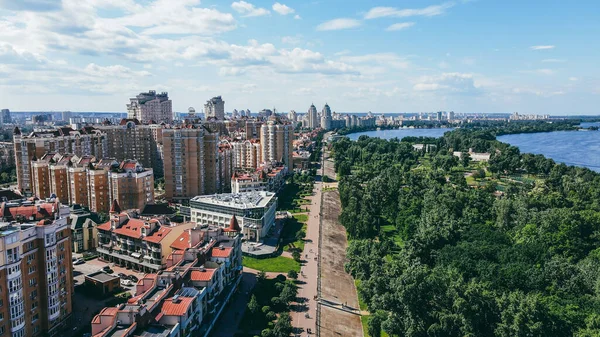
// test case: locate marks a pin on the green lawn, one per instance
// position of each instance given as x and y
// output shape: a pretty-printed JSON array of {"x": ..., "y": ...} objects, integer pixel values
[
  {"x": 364, "y": 320},
  {"x": 279, "y": 264},
  {"x": 301, "y": 217}
]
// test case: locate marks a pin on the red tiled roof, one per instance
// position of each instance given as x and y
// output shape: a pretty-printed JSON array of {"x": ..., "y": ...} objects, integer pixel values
[
  {"x": 105, "y": 226},
  {"x": 132, "y": 228},
  {"x": 234, "y": 225},
  {"x": 115, "y": 208},
  {"x": 218, "y": 252},
  {"x": 182, "y": 242},
  {"x": 199, "y": 275},
  {"x": 108, "y": 311},
  {"x": 29, "y": 211},
  {"x": 176, "y": 309},
  {"x": 158, "y": 235}
]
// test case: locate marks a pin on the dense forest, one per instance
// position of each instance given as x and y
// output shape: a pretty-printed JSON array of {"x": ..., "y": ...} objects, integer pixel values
[{"x": 511, "y": 252}]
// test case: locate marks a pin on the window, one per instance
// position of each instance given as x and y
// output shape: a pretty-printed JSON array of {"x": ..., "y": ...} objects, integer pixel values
[
  {"x": 32, "y": 269},
  {"x": 32, "y": 282},
  {"x": 35, "y": 318}
]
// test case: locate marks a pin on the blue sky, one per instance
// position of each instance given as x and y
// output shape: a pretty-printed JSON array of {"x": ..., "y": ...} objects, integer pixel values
[{"x": 384, "y": 56}]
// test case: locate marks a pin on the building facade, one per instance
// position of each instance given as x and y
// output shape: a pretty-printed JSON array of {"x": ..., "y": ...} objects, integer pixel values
[
  {"x": 246, "y": 154},
  {"x": 313, "y": 119},
  {"x": 187, "y": 298},
  {"x": 269, "y": 179},
  {"x": 36, "y": 272},
  {"x": 215, "y": 108},
  {"x": 138, "y": 243},
  {"x": 255, "y": 211},
  {"x": 150, "y": 107},
  {"x": 276, "y": 141},
  {"x": 190, "y": 162}
]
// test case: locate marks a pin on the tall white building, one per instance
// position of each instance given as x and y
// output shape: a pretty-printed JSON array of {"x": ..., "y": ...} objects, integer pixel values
[
  {"x": 276, "y": 142},
  {"x": 292, "y": 116},
  {"x": 313, "y": 120},
  {"x": 215, "y": 108},
  {"x": 326, "y": 117},
  {"x": 151, "y": 107},
  {"x": 234, "y": 114}
]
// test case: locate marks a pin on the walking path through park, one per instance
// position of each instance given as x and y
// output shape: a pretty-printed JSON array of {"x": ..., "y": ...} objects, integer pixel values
[
  {"x": 340, "y": 313},
  {"x": 304, "y": 312}
]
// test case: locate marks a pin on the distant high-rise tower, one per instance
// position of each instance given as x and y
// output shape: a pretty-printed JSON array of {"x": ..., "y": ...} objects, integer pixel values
[
  {"x": 326, "y": 117},
  {"x": 151, "y": 107},
  {"x": 215, "y": 108},
  {"x": 5, "y": 117},
  {"x": 234, "y": 114},
  {"x": 451, "y": 115},
  {"x": 439, "y": 115},
  {"x": 313, "y": 121},
  {"x": 292, "y": 116}
]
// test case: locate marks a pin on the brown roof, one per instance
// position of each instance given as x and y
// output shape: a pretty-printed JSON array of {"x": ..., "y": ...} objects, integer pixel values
[
  {"x": 221, "y": 252},
  {"x": 132, "y": 228},
  {"x": 234, "y": 225},
  {"x": 171, "y": 308},
  {"x": 202, "y": 275},
  {"x": 182, "y": 242},
  {"x": 158, "y": 235},
  {"x": 115, "y": 208}
]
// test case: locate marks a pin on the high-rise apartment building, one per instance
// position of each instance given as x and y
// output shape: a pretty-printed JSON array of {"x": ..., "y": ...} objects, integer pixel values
[
  {"x": 36, "y": 273},
  {"x": 292, "y": 116},
  {"x": 5, "y": 117},
  {"x": 215, "y": 108},
  {"x": 191, "y": 162},
  {"x": 131, "y": 185},
  {"x": 150, "y": 107},
  {"x": 276, "y": 142},
  {"x": 87, "y": 141},
  {"x": 133, "y": 140},
  {"x": 326, "y": 117},
  {"x": 246, "y": 154},
  {"x": 92, "y": 184},
  {"x": 313, "y": 120}
]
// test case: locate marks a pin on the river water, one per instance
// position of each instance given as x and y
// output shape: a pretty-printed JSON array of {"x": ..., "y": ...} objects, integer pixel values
[
  {"x": 401, "y": 133},
  {"x": 579, "y": 148}
]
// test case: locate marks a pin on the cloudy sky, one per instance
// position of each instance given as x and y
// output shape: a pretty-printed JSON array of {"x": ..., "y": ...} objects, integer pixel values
[{"x": 535, "y": 56}]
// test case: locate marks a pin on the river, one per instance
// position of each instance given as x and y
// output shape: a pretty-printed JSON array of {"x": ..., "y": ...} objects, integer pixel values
[
  {"x": 401, "y": 133},
  {"x": 579, "y": 148}
]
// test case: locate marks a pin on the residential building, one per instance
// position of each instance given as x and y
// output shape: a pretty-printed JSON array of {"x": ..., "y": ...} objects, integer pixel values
[
  {"x": 150, "y": 107},
  {"x": 131, "y": 139},
  {"x": 134, "y": 242},
  {"x": 5, "y": 117},
  {"x": 191, "y": 162},
  {"x": 36, "y": 273},
  {"x": 215, "y": 108},
  {"x": 84, "y": 235},
  {"x": 90, "y": 183},
  {"x": 292, "y": 116},
  {"x": 276, "y": 141},
  {"x": 269, "y": 178},
  {"x": 246, "y": 154},
  {"x": 253, "y": 129},
  {"x": 187, "y": 298},
  {"x": 313, "y": 121},
  {"x": 131, "y": 185},
  {"x": 87, "y": 141},
  {"x": 255, "y": 211}
]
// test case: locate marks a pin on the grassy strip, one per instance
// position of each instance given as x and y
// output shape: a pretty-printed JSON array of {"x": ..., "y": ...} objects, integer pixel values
[{"x": 279, "y": 264}]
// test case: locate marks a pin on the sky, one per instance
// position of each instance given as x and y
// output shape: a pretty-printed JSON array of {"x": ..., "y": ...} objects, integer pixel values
[{"x": 535, "y": 56}]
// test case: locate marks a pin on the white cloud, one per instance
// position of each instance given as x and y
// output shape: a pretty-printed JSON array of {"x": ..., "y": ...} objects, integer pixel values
[
  {"x": 248, "y": 10},
  {"x": 541, "y": 47},
  {"x": 400, "y": 26},
  {"x": 297, "y": 17},
  {"x": 31, "y": 5},
  {"x": 553, "y": 61},
  {"x": 380, "y": 12},
  {"x": 450, "y": 83},
  {"x": 282, "y": 9},
  {"x": 304, "y": 92},
  {"x": 386, "y": 60},
  {"x": 338, "y": 24},
  {"x": 536, "y": 92},
  {"x": 573, "y": 79},
  {"x": 293, "y": 40}
]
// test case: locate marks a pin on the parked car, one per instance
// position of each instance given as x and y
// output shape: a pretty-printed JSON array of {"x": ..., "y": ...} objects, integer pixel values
[
  {"x": 133, "y": 278},
  {"x": 123, "y": 276},
  {"x": 126, "y": 283},
  {"x": 78, "y": 261},
  {"x": 107, "y": 270}
]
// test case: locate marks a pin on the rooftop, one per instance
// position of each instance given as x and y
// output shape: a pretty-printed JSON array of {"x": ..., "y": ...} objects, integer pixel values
[
  {"x": 101, "y": 276},
  {"x": 237, "y": 200}
]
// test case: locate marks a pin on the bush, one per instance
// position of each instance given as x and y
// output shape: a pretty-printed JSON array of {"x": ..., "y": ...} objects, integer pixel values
[{"x": 292, "y": 274}]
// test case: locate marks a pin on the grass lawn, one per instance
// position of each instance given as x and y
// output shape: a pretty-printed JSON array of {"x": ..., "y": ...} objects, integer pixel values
[
  {"x": 301, "y": 217},
  {"x": 364, "y": 320},
  {"x": 361, "y": 303},
  {"x": 279, "y": 264}
]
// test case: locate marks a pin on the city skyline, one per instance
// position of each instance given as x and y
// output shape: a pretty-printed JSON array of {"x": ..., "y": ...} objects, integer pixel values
[{"x": 466, "y": 56}]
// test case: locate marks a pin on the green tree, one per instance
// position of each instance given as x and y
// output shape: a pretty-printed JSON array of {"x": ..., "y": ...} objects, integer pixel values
[{"x": 292, "y": 274}]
